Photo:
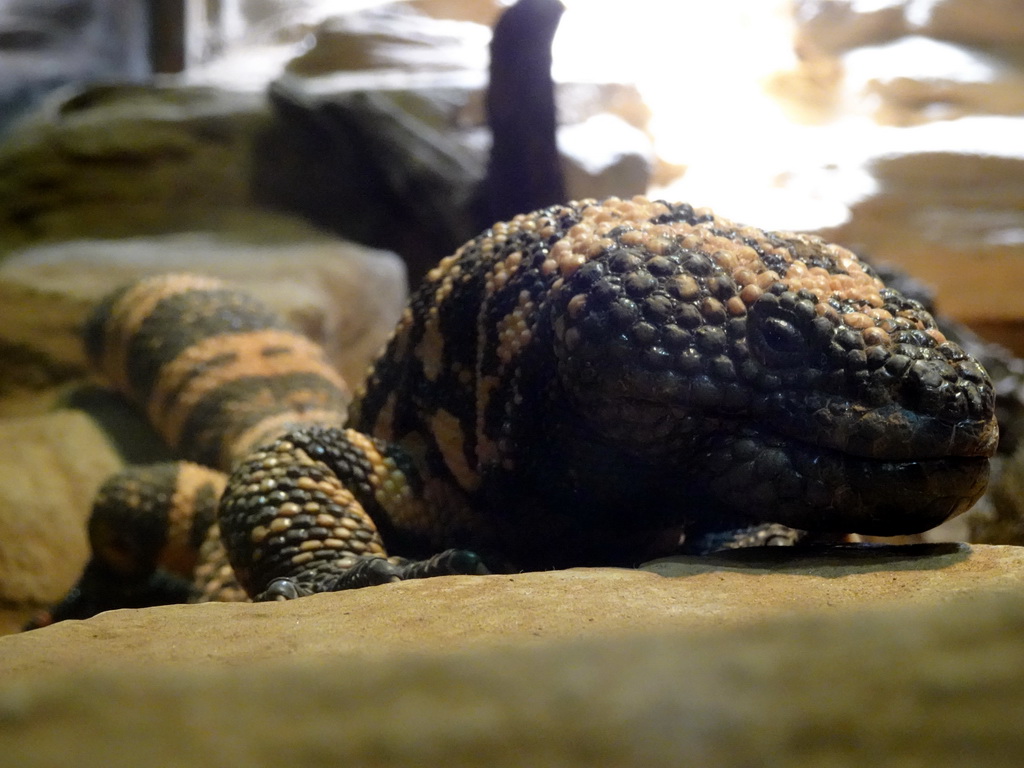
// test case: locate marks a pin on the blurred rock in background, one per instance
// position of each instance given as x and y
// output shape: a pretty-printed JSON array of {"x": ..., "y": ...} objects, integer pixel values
[{"x": 45, "y": 44}]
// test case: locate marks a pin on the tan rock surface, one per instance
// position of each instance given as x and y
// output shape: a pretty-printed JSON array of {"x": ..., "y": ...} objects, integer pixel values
[
  {"x": 50, "y": 467},
  {"x": 456, "y": 613},
  {"x": 699, "y": 679}
]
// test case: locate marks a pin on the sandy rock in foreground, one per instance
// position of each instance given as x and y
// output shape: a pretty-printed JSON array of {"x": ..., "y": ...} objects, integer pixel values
[
  {"x": 316, "y": 681},
  {"x": 50, "y": 467},
  {"x": 457, "y": 613}
]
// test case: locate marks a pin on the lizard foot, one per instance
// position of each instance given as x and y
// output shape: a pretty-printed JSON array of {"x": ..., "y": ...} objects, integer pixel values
[
  {"x": 371, "y": 571},
  {"x": 451, "y": 562}
]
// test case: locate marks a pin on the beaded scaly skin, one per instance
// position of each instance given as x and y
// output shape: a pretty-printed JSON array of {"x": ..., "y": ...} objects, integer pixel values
[
  {"x": 589, "y": 383},
  {"x": 582, "y": 384}
]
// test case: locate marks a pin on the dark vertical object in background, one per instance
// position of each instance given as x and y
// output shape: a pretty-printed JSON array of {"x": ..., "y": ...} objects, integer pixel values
[
  {"x": 525, "y": 171},
  {"x": 167, "y": 35}
]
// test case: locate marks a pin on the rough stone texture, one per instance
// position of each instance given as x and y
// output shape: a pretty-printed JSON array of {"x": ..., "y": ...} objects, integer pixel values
[
  {"x": 612, "y": 668},
  {"x": 455, "y": 613},
  {"x": 50, "y": 467},
  {"x": 345, "y": 296},
  {"x": 124, "y": 160}
]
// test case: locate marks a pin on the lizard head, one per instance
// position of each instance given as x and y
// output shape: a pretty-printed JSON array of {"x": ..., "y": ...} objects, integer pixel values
[{"x": 799, "y": 387}]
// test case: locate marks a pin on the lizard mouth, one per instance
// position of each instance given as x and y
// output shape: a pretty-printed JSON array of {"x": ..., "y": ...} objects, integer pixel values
[
  {"x": 884, "y": 471},
  {"x": 770, "y": 477},
  {"x": 887, "y": 433}
]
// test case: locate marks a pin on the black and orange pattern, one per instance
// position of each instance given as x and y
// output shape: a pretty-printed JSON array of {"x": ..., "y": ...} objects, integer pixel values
[
  {"x": 216, "y": 371},
  {"x": 590, "y": 383}
]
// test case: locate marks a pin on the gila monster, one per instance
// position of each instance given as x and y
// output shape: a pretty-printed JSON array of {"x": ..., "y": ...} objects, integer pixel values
[{"x": 592, "y": 383}]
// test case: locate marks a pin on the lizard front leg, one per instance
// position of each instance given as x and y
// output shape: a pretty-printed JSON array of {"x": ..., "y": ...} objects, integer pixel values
[{"x": 303, "y": 515}]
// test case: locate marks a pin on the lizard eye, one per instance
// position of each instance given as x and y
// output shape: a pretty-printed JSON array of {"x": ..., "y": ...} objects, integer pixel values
[{"x": 775, "y": 337}]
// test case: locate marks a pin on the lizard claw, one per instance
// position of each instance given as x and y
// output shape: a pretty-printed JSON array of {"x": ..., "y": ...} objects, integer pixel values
[
  {"x": 372, "y": 571},
  {"x": 279, "y": 590},
  {"x": 451, "y": 562},
  {"x": 368, "y": 572},
  {"x": 376, "y": 570}
]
